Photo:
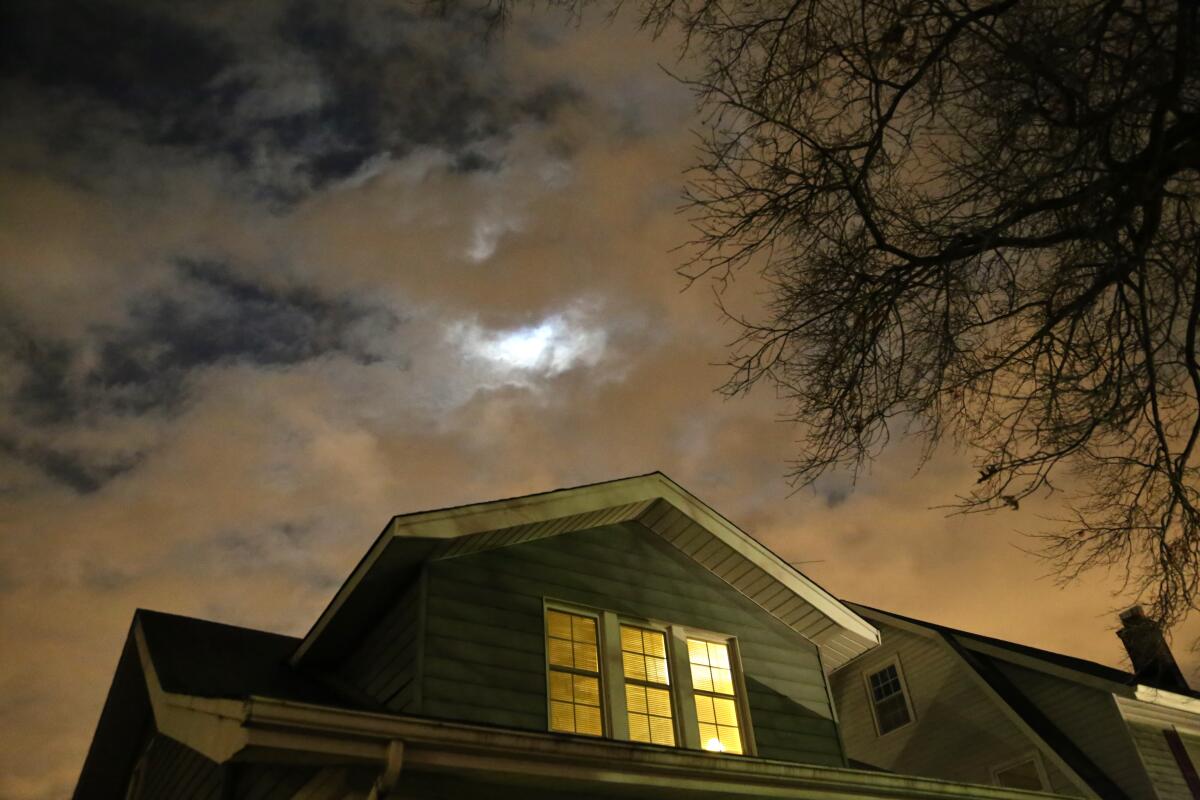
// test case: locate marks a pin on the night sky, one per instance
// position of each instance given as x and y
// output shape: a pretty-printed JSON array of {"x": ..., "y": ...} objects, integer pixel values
[{"x": 272, "y": 273}]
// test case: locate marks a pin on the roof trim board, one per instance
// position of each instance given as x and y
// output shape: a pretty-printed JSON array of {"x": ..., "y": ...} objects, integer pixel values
[{"x": 653, "y": 500}]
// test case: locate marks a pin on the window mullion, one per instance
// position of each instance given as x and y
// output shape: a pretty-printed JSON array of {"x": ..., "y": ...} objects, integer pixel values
[
  {"x": 689, "y": 725},
  {"x": 614, "y": 675}
]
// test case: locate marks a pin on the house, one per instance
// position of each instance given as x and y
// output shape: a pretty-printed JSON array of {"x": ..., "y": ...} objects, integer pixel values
[
  {"x": 614, "y": 640},
  {"x": 935, "y": 701}
]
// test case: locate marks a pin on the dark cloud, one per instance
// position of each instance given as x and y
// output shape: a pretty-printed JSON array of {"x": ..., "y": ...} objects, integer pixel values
[
  {"x": 311, "y": 95},
  {"x": 83, "y": 473},
  {"x": 211, "y": 317}
]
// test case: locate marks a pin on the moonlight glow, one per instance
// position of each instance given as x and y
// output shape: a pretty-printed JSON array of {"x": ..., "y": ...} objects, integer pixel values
[{"x": 554, "y": 345}]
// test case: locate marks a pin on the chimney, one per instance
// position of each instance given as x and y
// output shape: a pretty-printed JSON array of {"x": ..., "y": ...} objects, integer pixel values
[{"x": 1152, "y": 661}]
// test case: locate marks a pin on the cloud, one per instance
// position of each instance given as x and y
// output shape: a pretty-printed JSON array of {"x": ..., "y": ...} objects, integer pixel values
[
  {"x": 75, "y": 470},
  {"x": 290, "y": 96},
  {"x": 209, "y": 317}
]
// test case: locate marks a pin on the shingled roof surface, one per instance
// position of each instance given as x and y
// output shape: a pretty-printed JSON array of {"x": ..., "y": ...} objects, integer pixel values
[
  {"x": 966, "y": 638},
  {"x": 211, "y": 659}
]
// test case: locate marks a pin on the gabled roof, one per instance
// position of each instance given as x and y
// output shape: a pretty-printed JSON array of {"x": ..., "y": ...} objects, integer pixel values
[
  {"x": 653, "y": 501},
  {"x": 201, "y": 658},
  {"x": 1064, "y": 666},
  {"x": 983, "y": 656}
]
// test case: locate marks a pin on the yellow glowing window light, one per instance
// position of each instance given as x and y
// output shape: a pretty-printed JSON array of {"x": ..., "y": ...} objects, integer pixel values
[
  {"x": 647, "y": 685},
  {"x": 571, "y": 649},
  {"x": 715, "y": 695}
]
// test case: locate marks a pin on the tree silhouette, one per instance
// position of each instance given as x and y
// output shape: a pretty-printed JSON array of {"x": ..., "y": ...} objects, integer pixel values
[{"x": 978, "y": 221}]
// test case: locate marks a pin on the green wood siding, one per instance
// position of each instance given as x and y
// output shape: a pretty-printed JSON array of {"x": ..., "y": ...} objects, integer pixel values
[
  {"x": 173, "y": 771},
  {"x": 269, "y": 781},
  {"x": 385, "y": 663},
  {"x": 484, "y": 652}
]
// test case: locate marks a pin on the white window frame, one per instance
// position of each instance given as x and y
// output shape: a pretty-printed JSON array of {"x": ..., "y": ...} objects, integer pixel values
[
  {"x": 893, "y": 661},
  {"x": 1032, "y": 755},
  {"x": 614, "y": 714}
]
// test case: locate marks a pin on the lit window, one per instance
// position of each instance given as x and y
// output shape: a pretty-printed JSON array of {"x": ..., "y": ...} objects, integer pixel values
[
  {"x": 647, "y": 685},
  {"x": 573, "y": 653},
  {"x": 888, "y": 700},
  {"x": 716, "y": 698}
]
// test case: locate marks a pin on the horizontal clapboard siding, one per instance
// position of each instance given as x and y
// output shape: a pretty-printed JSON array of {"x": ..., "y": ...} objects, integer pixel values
[
  {"x": 960, "y": 733},
  {"x": 176, "y": 771},
  {"x": 385, "y": 664},
  {"x": 1090, "y": 718},
  {"x": 270, "y": 781},
  {"x": 1146, "y": 723},
  {"x": 484, "y": 651}
]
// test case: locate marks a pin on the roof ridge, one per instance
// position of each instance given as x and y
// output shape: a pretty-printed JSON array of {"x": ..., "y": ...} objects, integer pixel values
[
  {"x": 143, "y": 613},
  {"x": 1116, "y": 674}
]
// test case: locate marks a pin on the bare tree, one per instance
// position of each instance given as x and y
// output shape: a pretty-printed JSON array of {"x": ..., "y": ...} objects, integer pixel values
[{"x": 978, "y": 221}]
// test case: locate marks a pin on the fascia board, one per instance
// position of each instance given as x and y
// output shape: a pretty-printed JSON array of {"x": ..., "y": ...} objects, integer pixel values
[
  {"x": 763, "y": 558},
  {"x": 1166, "y": 699}
]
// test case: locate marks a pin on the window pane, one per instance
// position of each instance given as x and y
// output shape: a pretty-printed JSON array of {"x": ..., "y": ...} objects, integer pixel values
[
  {"x": 587, "y": 691},
  {"x": 635, "y": 666},
  {"x": 731, "y": 740},
  {"x": 722, "y": 680},
  {"x": 631, "y": 639},
  {"x": 662, "y": 730},
  {"x": 704, "y": 710},
  {"x": 718, "y": 655},
  {"x": 585, "y": 656},
  {"x": 562, "y": 716},
  {"x": 891, "y": 713},
  {"x": 560, "y": 686},
  {"x": 702, "y": 678},
  {"x": 560, "y": 653},
  {"x": 656, "y": 670},
  {"x": 587, "y": 720},
  {"x": 658, "y": 702},
  {"x": 635, "y": 698},
  {"x": 655, "y": 643},
  {"x": 698, "y": 651},
  {"x": 583, "y": 629},
  {"x": 725, "y": 711},
  {"x": 639, "y": 727},
  {"x": 559, "y": 624}
]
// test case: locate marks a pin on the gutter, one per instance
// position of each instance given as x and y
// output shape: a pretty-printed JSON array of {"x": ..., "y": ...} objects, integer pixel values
[{"x": 395, "y": 745}]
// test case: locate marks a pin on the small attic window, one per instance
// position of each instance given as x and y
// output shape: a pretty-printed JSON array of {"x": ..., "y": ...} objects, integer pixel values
[
  {"x": 889, "y": 701},
  {"x": 1024, "y": 773}
]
